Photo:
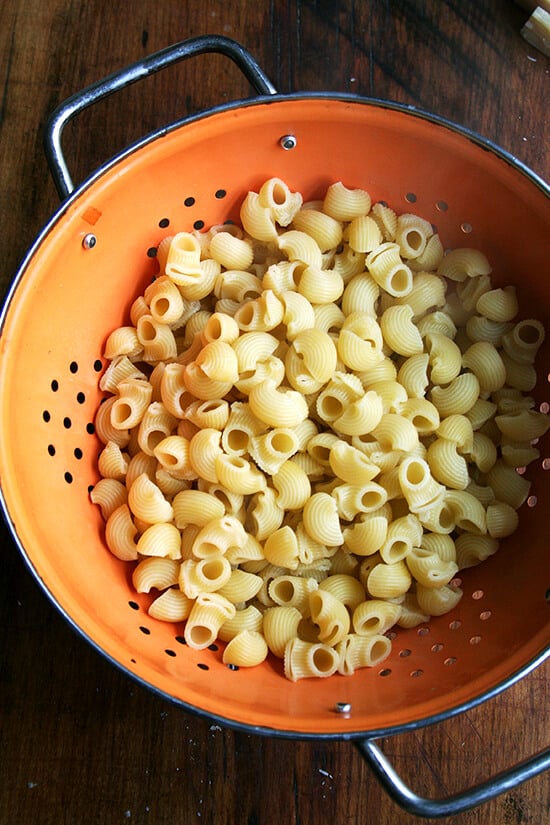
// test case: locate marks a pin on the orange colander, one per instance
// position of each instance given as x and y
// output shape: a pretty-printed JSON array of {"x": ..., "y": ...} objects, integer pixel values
[{"x": 76, "y": 284}]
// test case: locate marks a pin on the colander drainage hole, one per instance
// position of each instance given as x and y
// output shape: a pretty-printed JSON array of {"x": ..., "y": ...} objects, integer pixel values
[
  {"x": 203, "y": 666},
  {"x": 164, "y": 222},
  {"x": 133, "y": 605},
  {"x": 170, "y": 652}
]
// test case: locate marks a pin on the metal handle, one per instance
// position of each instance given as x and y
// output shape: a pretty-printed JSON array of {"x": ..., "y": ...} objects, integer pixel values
[
  {"x": 130, "y": 74},
  {"x": 457, "y": 803}
]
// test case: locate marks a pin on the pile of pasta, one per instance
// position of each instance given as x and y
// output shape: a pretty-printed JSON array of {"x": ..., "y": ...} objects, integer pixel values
[{"x": 312, "y": 423}]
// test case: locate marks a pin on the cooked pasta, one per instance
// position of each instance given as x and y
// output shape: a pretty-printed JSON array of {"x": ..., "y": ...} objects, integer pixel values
[{"x": 312, "y": 422}]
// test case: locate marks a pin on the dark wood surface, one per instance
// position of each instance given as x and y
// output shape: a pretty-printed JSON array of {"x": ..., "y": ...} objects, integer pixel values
[{"x": 79, "y": 742}]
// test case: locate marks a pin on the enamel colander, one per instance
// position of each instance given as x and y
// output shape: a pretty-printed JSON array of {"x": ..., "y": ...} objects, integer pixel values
[{"x": 76, "y": 284}]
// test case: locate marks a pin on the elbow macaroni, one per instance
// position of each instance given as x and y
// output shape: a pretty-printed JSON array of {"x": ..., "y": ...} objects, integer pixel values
[{"x": 311, "y": 424}]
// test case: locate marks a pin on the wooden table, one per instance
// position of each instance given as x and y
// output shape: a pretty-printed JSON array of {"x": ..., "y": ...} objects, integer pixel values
[{"x": 80, "y": 742}]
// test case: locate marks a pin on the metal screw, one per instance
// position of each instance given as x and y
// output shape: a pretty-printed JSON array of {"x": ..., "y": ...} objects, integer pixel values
[
  {"x": 343, "y": 707},
  {"x": 89, "y": 241},
  {"x": 288, "y": 142}
]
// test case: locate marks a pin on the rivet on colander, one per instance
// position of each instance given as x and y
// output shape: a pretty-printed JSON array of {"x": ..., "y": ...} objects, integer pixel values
[
  {"x": 89, "y": 241},
  {"x": 343, "y": 707},
  {"x": 288, "y": 142}
]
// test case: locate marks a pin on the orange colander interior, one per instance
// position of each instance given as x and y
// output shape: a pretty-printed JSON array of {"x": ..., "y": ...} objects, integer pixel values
[{"x": 69, "y": 297}]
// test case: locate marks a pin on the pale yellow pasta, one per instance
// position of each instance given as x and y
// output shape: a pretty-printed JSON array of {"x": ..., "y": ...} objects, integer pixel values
[
  {"x": 123, "y": 341},
  {"x": 464, "y": 262},
  {"x": 276, "y": 406},
  {"x": 375, "y": 617},
  {"x": 387, "y": 581},
  {"x": 281, "y": 548},
  {"x": 298, "y": 314},
  {"x": 472, "y": 549},
  {"x": 257, "y": 219},
  {"x": 147, "y": 502},
  {"x": 468, "y": 513},
  {"x": 429, "y": 569},
  {"x": 280, "y": 625},
  {"x": 367, "y": 535},
  {"x": 417, "y": 483},
  {"x": 524, "y": 425},
  {"x": 120, "y": 534},
  {"x": 306, "y": 659},
  {"x": 160, "y": 539},
  {"x": 361, "y": 294},
  {"x": 308, "y": 435},
  {"x": 436, "y": 601},
  {"x": 345, "y": 588},
  {"x": 241, "y": 586},
  {"x": 358, "y": 651},
  {"x": 411, "y": 614},
  {"x": 112, "y": 462},
  {"x": 157, "y": 423},
  {"x": 500, "y": 305},
  {"x": 119, "y": 369},
  {"x": 156, "y": 573},
  {"x": 480, "y": 328},
  {"x": 140, "y": 463},
  {"x": 204, "y": 450},
  {"x": 238, "y": 474},
  {"x": 447, "y": 465},
  {"x": 345, "y": 204},
  {"x": 395, "y": 432},
  {"x": 440, "y": 543},
  {"x": 330, "y": 615},
  {"x": 246, "y": 618},
  {"x": 209, "y": 612},
  {"x": 292, "y": 485},
  {"x": 389, "y": 271},
  {"x": 350, "y": 464},
  {"x": 108, "y": 494},
  {"x": 360, "y": 341},
  {"x": 399, "y": 331},
  {"x": 325, "y": 230},
  {"x": 363, "y": 234},
  {"x": 264, "y": 514},
  {"x": 403, "y": 535},
  {"x": 445, "y": 358},
  {"x": 458, "y": 396},
  {"x": 247, "y": 649},
  {"x": 165, "y": 302},
  {"x": 321, "y": 521},
  {"x": 413, "y": 375},
  {"x": 157, "y": 340},
  {"x": 524, "y": 340},
  {"x": 104, "y": 427},
  {"x": 507, "y": 484},
  {"x": 173, "y": 390},
  {"x": 170, "y": 606},
  {"x": 291, "y": 591},
  {"x": 196, "y": 507}
]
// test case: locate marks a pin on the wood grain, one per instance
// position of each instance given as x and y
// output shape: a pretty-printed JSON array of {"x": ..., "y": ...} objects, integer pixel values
[{"x": 80, "y": 742}]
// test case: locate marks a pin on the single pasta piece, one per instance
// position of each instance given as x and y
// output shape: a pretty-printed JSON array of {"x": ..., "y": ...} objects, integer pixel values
[
  {"x": 330, "y": 615},
  {"x": 247, "y": 649},
  {"x": 305, "y": 659},
  {"x": 209, "y": 612},
  {"x": 155, "y": 572},
  {"x": 375, "y": 617},
  {"x": 357, "y": 651}
]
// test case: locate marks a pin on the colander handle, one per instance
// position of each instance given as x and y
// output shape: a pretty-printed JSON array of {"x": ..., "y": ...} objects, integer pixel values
[
  {"x": 130, "y": 74},
  {"x": 457, "y": 803}
]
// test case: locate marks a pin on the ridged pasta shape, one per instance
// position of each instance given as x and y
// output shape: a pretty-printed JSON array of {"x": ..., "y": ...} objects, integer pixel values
[
  {"x": 507, "y": 484},
  {"x": 280, "y": 626},
  {"x": 524, "y": 425},
  {"x": 447, "y": 465},
  {"x": 366, "y": 536},
  {"x": 155, "y": 572},
  {"x": 204, "y": 450},
  {"x": 375, "y": 617},
  {"x": 388, "y": 581},
  {"x": 160, "y": 539},
  {"x": 196, "y": 507},
  {"x": 147, "y": 502},
  {"x": 403, "y": 535},
  {"x": 472, "y": 549},
  {"x": 207, "y": 615},
  {"x": 399, "y": 331},
  {"x": 345, "y": 588},
  {"x": 345, "y": 204},
  {"x": 458, "y": 396},
  {"x": 157, "y": 340},
  {"x": 360, "y": 342},
  {"x": 464, "y": 262},
  {"x": 246, "y": 618},
  {"x": 292, "y": 485},
  {"x": 363, "y": 234},
  {"x": 500, "y": 305},
  {"x": 281, "y": 548},
  {"x": 321, "y": 520},
  {"x": 325, "y": 230},
  {"x": 429, "y": 569},
  {"x": 417, "y": 483},
  {"x": 298, "y": 314},
  {"x": 358, "y": 651},
  {"x": 291, "y": 591},
  {"x": 263, "y": 514},
  {"x": 218, "y": 536},
  {"x": 350, "y": 464},
  {"x": 277, "y": 407},
  {"x": 112, "y": 462},
  {"x": 445, "y": 358},
  {"x": 436, "y": 601},
  {"x": 120, "y": 534},
  {"x": 123, "y": 341},
  {"x": 170, "y": 606},
  {"x": 247, "y": 649},
  {"x": 307, "y": 659},
  {"x": 524, "y": 340},
  {"x": 108, "y": 494},
  {"x": 389, "y": 271},
  {"x": 330, "y": 615},
  {"x": 257, "y": 219},
  {"x": 413, "y": 375}
]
